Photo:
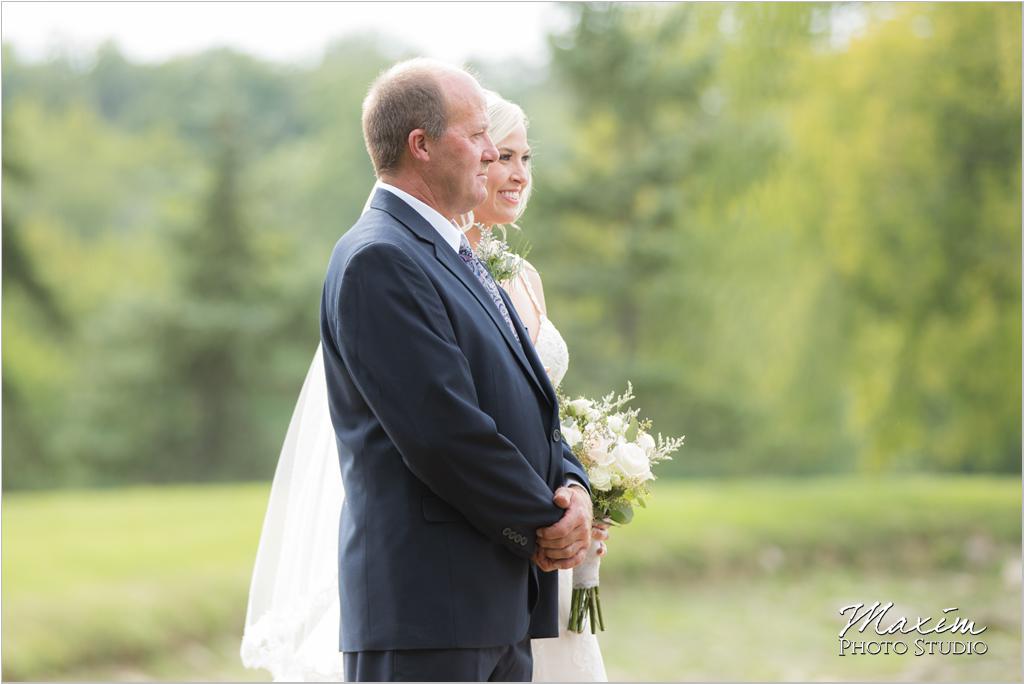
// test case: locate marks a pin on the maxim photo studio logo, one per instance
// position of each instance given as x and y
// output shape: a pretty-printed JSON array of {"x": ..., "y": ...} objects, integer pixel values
[{"x": 950, "y": 634}]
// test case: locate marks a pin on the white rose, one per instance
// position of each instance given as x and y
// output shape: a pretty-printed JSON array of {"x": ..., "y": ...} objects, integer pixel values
[
  {"x": 598, "y": 452},
  {"x": 645, "y": 442},
  {"x": 632, "y": 460},
  {"x": 600, "y": 479},
  {"x": 593, "y": 415},
  {"x": 571, "y": 435},
  {"x": 580, "y": 406},
  {"x": 616, "y": 424}
]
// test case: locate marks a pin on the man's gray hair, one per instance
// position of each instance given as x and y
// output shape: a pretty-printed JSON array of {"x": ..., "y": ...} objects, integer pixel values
[{"x": 405, "y": 97}]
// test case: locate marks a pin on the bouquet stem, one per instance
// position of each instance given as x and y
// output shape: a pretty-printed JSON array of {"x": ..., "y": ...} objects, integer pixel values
[
  {"x": 586, "y": 606},
  {"x": 586, "y": 598}
]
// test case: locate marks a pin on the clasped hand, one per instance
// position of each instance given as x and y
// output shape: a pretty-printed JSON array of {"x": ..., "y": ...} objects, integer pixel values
[{"x": 564, "y": 545}]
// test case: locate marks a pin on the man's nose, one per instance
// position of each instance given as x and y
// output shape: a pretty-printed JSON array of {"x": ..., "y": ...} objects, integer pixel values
[{"x": 490, "y": 153}]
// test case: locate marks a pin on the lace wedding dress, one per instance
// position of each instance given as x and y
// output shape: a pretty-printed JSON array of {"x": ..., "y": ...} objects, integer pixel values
[{"x": 291, "y": 627}]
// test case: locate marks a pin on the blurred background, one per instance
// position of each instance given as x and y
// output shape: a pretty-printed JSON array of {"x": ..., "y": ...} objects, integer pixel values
[{"x": 795, "y": 227}]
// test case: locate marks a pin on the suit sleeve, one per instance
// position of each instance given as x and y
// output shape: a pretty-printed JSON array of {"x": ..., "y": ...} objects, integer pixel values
[{"x": 396, "y": 339}]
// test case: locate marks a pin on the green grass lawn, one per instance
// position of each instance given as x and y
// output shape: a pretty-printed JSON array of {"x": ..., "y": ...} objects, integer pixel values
[
  {"x": 784, "y": 627},
  {"x": 122, "y": 576},
  {"x": 715, "y": 580},
  {"x": 715, "y": 528}
]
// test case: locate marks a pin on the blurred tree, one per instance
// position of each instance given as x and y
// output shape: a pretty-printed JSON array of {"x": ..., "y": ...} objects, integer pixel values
[
  {"x": 117, "y": 83},
  {"x": 178, "y": 374},
  {"x": 665, "y": 137},
  {"x": 914, "y": 136},
  {"x": 215, "y": 315},
  {"x": 19, "y": 269},
  {"x": 31, "y": 304},
  {"x": 763, "y": 222}
]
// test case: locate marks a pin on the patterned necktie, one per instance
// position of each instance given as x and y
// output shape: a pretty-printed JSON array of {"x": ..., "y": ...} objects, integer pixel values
[{"x": 481, "y": 273}]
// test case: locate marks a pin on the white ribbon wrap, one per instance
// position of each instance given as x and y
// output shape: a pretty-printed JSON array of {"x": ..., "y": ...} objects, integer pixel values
[{"x": 586, "y": 574}]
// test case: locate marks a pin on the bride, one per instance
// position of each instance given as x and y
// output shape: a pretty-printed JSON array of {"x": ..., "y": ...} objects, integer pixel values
[{"x": 293, "y": 619}]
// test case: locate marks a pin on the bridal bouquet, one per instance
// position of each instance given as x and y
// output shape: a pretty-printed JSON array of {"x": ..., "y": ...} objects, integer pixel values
[{"x": 616, "y": 448}]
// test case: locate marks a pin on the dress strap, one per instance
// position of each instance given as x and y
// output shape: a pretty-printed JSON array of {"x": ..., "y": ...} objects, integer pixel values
[{"x": 529, "y": 288}]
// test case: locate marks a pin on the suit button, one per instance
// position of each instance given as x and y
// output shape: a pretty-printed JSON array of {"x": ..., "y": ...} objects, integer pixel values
[
  {"x": 507, "y": 532},
  {"x": 556, "y": 435}
]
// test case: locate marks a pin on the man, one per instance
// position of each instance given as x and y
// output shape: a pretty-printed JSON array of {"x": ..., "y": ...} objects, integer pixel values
[{"x": 447, "y": 426}]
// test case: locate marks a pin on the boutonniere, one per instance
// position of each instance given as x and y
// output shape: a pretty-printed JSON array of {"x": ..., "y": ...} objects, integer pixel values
[{"x": 494, "y": 251}]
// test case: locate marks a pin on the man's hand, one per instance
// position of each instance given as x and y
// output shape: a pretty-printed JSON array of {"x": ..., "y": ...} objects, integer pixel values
[
  {"x": 564, "y": 545},
  {"x": 600, "y": 533}
]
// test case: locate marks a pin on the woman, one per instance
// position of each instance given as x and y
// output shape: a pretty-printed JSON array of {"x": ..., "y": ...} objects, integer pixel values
[{"x": 293, "y": 617}]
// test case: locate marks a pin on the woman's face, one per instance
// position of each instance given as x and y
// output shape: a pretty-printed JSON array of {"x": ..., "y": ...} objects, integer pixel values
[{"x": 507, "y": 178}]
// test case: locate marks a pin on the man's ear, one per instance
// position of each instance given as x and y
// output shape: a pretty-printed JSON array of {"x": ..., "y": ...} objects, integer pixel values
[{"x": 417, "y": 144}]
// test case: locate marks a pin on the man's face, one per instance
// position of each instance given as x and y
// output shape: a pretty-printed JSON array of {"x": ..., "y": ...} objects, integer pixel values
[{"x": 461, "y": 156}]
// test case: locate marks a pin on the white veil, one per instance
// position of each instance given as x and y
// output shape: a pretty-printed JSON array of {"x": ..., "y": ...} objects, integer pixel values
[
  {"x": 293, "y": 620},
  {"x": 293, "y": 623}
]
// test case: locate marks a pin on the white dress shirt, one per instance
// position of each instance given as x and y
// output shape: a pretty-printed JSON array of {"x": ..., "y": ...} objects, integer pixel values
[{"x": 446, "y": 228}]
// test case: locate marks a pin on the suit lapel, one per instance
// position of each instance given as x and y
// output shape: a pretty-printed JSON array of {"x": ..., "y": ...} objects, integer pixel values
[
  {"x": 395, "y": 206},
  {"x": 539, "y": 374}
]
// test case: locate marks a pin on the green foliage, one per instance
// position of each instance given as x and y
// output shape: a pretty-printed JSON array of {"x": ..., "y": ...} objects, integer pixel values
[
  {"x": 37, "y": 302},
  {"x": 803, "y": 249},
  {"x": 923, "y": 233},
  {"x": 808, "y": 253},
  {"x": 186, "y": 244}
]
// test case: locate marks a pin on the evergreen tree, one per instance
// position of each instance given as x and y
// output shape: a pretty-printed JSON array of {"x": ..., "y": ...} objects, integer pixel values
[{"x": 32, "y": 309}]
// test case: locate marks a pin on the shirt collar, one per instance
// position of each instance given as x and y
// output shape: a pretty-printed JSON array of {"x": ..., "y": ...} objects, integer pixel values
[{"x": 452, "y": 235}]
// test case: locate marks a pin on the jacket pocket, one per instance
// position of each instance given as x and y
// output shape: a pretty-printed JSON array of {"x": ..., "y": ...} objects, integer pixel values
[{"x": 437, "y": 510}]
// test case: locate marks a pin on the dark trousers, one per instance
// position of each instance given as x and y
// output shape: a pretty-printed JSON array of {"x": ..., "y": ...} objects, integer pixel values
[{"x": 513, "y": 663}]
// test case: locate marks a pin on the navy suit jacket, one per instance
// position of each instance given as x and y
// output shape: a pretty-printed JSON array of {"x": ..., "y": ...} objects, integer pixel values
[{"x": 449, "y": 444}]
